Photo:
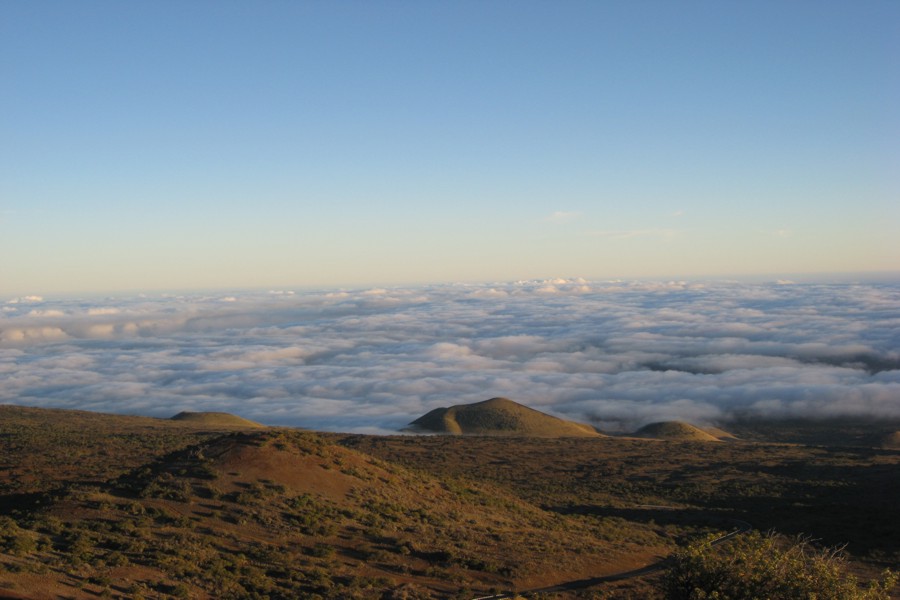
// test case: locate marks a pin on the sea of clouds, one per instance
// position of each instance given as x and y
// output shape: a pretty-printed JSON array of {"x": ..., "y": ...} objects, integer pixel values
[{"x": 616, "y": 354}]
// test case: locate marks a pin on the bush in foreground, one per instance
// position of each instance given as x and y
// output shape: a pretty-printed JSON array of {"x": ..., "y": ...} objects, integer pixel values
[{"x": 756, "y": 566}]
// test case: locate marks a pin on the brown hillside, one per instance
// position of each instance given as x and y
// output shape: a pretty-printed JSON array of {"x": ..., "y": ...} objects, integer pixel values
[
  {"x": 498, "y": 416},
  {"x": 215, "y": 419},
  {"x": 42, "y": 448},
  {"x": 288, "y": 514},
  {"x": 675, "y": 431},
  {"x": 95, "y": 506},
  {"x": 301, "y": 468}
]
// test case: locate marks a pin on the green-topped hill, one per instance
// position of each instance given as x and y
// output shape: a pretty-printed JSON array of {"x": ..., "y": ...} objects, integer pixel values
[
  {"x": 216, "y": 419},
  {"x": 498, "y": 416}
]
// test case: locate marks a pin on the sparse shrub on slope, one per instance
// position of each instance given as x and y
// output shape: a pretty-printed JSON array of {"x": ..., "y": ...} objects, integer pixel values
[{"x": 756, "y": 566}]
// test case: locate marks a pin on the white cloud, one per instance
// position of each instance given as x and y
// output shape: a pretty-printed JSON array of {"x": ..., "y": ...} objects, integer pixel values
[
  {"x": 45, "y": 313},
  {"x": 613, "y": 352},
  {"x": 562, "y": 216},
  {"x": 488, "y": 293},
  {"x": 26, "y": 300},
  {"x": 35, "y": 334},
  {"x": 102, "y": 310}
]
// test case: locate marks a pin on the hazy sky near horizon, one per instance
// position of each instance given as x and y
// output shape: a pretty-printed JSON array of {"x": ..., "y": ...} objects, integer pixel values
[{"x": 177, "y": 145}]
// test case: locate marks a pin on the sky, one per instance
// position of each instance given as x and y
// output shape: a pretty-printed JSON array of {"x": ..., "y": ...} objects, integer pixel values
[
  {"x": 617, "y": 355},
  {"x": 150, "y": 146}
]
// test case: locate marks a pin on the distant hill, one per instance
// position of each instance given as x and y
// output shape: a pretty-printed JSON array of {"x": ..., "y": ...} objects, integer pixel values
[
  {"x": 677, "y": 431},
  {"x": 498, "y": 416},
  {"x": 215, "y": 419}
]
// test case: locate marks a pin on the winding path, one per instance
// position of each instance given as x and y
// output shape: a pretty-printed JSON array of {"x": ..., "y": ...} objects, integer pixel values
[{"x": 580, "y": 584}]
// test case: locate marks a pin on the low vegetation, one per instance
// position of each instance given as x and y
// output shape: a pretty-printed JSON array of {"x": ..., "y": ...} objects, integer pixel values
[
  {"x": 126, "y": 507},
  {"x": 757, "y": 566}
]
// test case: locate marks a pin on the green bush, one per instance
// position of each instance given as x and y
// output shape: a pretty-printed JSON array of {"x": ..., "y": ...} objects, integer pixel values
[{"x": 755, "y": 566}]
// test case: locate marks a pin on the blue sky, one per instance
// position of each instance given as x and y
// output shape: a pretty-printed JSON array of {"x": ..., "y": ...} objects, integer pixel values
[{"x": 172, "y": 145}]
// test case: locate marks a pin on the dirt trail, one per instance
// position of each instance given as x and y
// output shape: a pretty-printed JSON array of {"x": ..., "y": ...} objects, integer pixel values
[{"x": 740, "y": 527}]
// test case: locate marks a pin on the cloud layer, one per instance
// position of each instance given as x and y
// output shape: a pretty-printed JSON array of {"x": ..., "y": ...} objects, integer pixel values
[{"x": 612, "y": 353}]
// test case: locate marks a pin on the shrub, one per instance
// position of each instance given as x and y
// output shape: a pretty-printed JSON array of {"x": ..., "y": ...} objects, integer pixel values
[{"x": 758, "y": 565}]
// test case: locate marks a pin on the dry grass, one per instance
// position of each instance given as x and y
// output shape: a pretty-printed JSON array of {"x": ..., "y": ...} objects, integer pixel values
[
  {"x": 127, "y": 507},
  {"x": 281, "y": 513},
  {"x": 836, "y": 494}
]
